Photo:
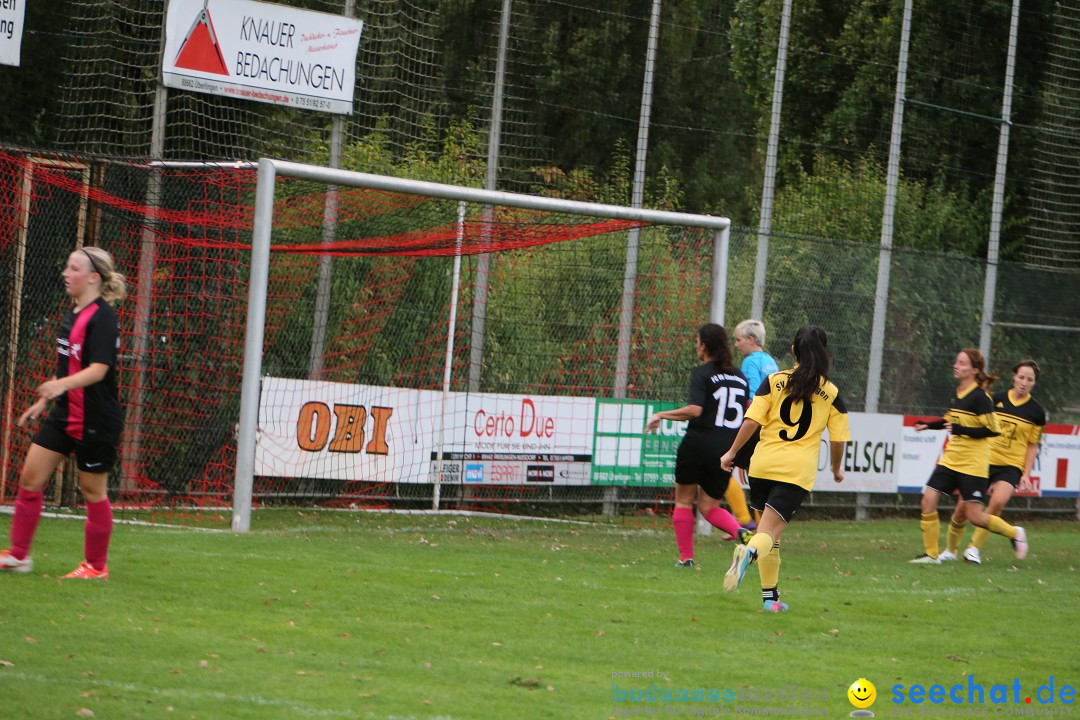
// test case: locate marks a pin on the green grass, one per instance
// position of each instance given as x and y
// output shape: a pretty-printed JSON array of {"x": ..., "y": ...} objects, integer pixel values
[{"x": 335, "y": 615}]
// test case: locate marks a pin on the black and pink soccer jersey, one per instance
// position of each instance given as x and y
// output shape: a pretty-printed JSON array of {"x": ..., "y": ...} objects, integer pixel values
[{"x": 93, "y": 413}]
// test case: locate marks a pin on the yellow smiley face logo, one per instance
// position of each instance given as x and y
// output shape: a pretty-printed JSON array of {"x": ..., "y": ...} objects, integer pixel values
[{"x": 862, "y": 693}]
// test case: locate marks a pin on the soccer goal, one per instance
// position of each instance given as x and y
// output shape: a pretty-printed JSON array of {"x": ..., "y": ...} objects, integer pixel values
[{"x": 412, "y": 342}]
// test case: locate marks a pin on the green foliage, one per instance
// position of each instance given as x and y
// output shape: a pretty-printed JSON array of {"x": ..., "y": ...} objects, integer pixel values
[{"x": 839, "y": 200}]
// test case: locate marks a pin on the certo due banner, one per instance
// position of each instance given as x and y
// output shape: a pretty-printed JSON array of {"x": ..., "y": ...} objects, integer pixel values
[
  {"x": 12, "y": 15},
  {"x": 262, "y": 52}
]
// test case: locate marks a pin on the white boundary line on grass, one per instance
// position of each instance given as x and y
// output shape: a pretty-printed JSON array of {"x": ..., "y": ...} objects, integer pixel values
[
  {"x": 461, "y": 513},
  {"x": 8, "y": 510},
  {"x": 121, "y": 521}
]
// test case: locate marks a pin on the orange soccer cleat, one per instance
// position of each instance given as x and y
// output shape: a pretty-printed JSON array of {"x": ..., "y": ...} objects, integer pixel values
[{"x": 86, "y": 571}]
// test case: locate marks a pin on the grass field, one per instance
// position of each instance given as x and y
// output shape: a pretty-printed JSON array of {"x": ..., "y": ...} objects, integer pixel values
[{"x": 335, "y": 615}]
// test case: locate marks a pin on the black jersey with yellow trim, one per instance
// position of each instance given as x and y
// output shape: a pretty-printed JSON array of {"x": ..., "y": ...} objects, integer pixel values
[
  {"x": 971, "y": 409},
  {"x": 791, "y": 430},
  {"x": 1021, "y": 425}
]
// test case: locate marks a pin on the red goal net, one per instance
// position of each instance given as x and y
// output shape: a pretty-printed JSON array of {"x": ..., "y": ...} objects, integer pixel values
[{"x": 359, "y": 295}]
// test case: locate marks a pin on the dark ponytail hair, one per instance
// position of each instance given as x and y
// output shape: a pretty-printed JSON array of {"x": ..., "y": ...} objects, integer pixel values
[
  {"x": 979, "y": 363},
  {"x": 717, "y": 349},
  {"x": 812, "y": 354}
]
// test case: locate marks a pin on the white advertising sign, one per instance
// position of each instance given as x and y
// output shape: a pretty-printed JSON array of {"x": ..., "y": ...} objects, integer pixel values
[
  {"x": 12, "y": 14},
  {"x": 339, "y": 431},
  {"x": 1056, "y": 472},
  {"x": 919, "y": 453},
  {"x": 871, "y": 459},
  {"x": 262, "y": 52},
  {"x": 1057, "y": 466},
  {"x": 519, "y": 439}
]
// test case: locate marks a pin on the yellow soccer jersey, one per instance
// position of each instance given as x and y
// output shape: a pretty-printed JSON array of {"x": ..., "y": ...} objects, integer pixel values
[
  {"x": 791, "y": 430},
  {"x": 1021, "y": 425},
  {"x": 971, "y": 409}
]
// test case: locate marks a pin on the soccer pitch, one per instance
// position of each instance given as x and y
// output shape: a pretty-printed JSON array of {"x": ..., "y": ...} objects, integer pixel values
[{"x": 356, "y": 615}]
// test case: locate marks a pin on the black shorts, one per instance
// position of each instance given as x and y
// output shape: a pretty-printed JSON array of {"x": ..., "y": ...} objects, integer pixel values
[
  {"x": 946, "y": 480},
  {"x": 783, "y": 497},
  {"x": 699, "y": 466},
  {"x": 95, "y": 457},
  {"x": 1005, "y": 473}
]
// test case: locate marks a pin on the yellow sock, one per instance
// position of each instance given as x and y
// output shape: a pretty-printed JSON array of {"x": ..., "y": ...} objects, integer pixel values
[
  {"x": 979, "y": 537},
  {"x": 954, "y": 536},
  {"x": 769, "y": 568},
  {"x": 762, "y": 543},
  {"x": 757, "y": 516},
  {"x": 736, "y": 500},
  {"x": 930, "y": 526},
  {"x": 999, "y": 527}
]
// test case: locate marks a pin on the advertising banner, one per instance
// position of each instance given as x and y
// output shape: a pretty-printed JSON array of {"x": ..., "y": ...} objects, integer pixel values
[
  {"x": 12, "y": 22},
  {"x": 341, "y": 431},
  {"x": 338, "y": 431},
  {"x": 871, "y": 459},
  {"x": 262, "y": 52},
  {"x": 518, "y": 439},
  {"x": 1056, "y": 472}
]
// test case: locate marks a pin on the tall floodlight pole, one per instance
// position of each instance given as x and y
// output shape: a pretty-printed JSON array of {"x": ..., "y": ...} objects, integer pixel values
[
  {"x": 483, "y": 262},
  {"x": 892, "y": 184},
  {"x": 997, "y": 207},
  {"x": 329, "y": 232},
  {"x": 768, "y": 186},
  {"x": 637, "y": 199},
  {"x": 131, "y": 454}
]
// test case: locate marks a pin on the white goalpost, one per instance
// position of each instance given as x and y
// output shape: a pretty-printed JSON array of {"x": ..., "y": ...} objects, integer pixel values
[{"x": 268, "y": 173}]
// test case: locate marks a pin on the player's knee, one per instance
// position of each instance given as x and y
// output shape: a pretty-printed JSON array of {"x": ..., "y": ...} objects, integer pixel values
[{"x": 32, "y": 480}]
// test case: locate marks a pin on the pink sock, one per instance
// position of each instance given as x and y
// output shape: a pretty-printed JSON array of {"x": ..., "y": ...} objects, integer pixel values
[
  {"x": 99, "y": 522},
  {"x": 720, "y": 518},
  {"x": 682, "y": 519},
  {"x": 24, "y": 524}
]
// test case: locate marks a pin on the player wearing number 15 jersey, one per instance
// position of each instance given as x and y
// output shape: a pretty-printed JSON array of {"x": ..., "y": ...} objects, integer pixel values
[
  {"x": 793, "y": 408},
  {"x": 716, "y": 401}
]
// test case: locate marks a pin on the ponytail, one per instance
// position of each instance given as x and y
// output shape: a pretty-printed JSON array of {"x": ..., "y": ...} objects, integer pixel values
[
  {"x": 978, "y": 362},
  {"x": 812, "y": 354},
  {"x": 715, "y": 340},
  {"x": 113, "y": 284}
]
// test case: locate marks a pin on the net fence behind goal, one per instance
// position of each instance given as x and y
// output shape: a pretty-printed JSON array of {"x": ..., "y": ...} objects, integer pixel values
[{"x": 360, "y": 403}]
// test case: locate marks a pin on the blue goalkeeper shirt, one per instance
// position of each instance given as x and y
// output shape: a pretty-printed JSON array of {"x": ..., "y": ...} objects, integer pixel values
[{"x": 756, "y": 367}]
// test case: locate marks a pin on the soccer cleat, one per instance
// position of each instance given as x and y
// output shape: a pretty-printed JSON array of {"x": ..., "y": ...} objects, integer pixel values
[
  {"x": 13, "y": 564},
  {"x": 1020, "y": 543},
  {"x": 750, "y": 525},
  {"x": 745, "y": 535},
  {"x": 687, "y": 563},
  {"x": 86, "y": 571},
  {"x": 972, "y": 555},
  {"x": 775, "y": 606},
  {"x": 946, "y": 555},
  {"x": 740, "y": 560},
  {"x": 925, "y": 559}
]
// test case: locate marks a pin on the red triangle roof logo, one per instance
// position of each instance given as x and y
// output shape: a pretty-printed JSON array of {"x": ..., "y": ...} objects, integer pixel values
[{"x": 200, "y": 49}]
